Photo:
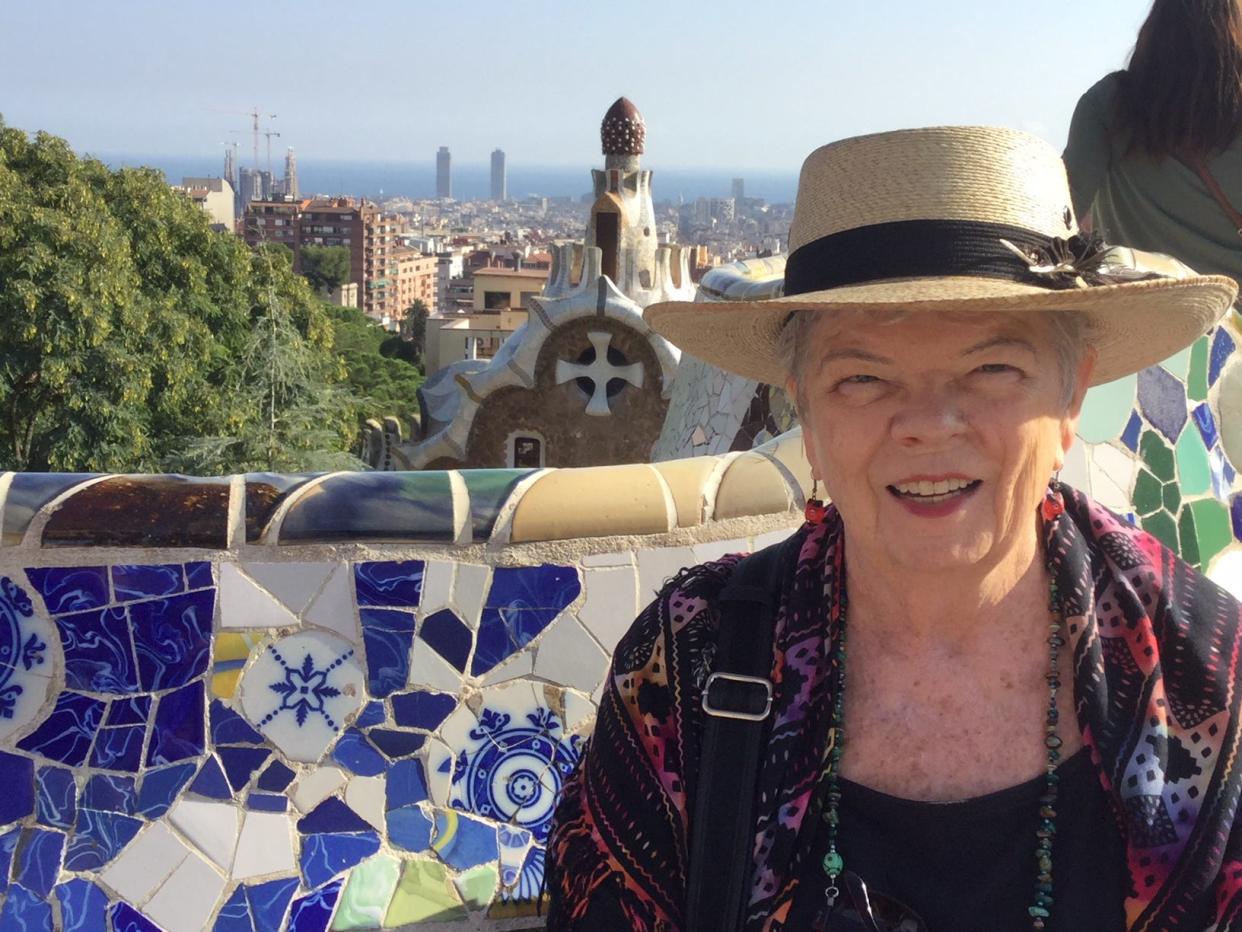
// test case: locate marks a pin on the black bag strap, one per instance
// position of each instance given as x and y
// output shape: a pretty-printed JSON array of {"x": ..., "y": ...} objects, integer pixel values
[{"x": 738, "y": 701}]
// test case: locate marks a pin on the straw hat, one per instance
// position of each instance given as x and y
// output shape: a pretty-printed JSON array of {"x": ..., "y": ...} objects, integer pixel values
[{"x": 953, "y": 218}]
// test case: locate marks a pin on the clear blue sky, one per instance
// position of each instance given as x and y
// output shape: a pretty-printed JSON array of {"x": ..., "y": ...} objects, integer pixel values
[{"x": 722, "y": 85}]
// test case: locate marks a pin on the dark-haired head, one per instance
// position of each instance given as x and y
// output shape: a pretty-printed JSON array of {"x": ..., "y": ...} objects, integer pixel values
[{"x": 1182, "y": 91}]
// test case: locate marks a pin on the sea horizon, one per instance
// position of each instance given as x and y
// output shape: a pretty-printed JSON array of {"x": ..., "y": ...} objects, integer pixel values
[{"x": 417, "y": 180}]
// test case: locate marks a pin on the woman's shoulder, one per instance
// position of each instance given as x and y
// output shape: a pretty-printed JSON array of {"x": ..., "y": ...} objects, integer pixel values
[{"x": 683, "y": 610}]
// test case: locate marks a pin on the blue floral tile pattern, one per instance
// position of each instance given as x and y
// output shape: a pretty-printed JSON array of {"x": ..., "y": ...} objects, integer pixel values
[
  {"x": 301, "y": 692},
  {"x": 25, "y": 672},
  {"x": 511, "y": 769}
]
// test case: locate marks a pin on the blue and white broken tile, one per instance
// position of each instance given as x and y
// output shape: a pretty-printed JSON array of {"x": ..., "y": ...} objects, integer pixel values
[
  {"x": 29, "y": 658},
  {"x": 302, "y": 691}
]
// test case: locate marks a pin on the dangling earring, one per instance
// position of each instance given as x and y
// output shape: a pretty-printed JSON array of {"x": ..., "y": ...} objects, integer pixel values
[
  {"x": 815, "y": 509},
  {"x": 1053, "y": 503}
]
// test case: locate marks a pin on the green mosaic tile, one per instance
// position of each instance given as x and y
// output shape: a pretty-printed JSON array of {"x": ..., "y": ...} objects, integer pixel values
[
  {"x": 1148, "y": 494},
  {"x": 1211, "y": 527},
  {"x": 1189, "y": 541},
  {"x": 1106, "y": 409},
  {"x": 1197, "y": 382},
  {"x": 477, "y": 886},
  {"x": 367, "y": 894},
  {"x": 1162, "y": 527},
  {"x": 1172, "y": 497},
  {"x": 1193, "y": 468},
  {"x": 1157, "y": 455},
  {"x": 1178, "y": 365},
  {"x": 424, "y": 894}
]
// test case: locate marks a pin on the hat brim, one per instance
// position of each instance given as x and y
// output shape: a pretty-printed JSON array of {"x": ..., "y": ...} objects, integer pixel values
[{"x": 1132, "y": 325}]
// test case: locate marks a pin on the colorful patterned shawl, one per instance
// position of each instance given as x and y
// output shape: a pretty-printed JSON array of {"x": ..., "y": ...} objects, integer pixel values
[{"x": 1155, "y": 650}]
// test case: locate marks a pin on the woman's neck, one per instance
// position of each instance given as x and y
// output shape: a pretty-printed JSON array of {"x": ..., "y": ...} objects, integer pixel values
[{"x": 950, "y": 608}]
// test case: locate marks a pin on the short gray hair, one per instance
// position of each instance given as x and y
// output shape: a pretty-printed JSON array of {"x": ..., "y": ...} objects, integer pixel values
[{"x": 1069, "y": 330}]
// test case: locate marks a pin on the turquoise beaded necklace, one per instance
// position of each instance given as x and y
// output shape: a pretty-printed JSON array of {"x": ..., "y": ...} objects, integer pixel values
[{"x": 830, "y": 789}]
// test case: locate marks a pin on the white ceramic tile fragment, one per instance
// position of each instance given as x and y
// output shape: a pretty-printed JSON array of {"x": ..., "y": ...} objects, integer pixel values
[
  {"x": 439, "y": 771},
  {"x": 365, "y": 795},
  {"x": 301, "y": 691},
  {"x": 1119, "y": 465},
  {"x": 772, "y": 537},
  {"x": 522, "y": 664},
  {"x": 142, "y": 866},
  {"x": 609, "y": 559},
  {"x": 655, "y": 567},
  {"x": 427, "y": 668},
  {"x": 578, "y": 712},
  {"x": 333, "y": 608},
  {"x": 244, "y": 604},
  {"x": 264, "y": 846},
  {"x": 611, "y": 604},
  {"x": 1104, "y": 489},
  {"x": 293, "y": 584},
  {"x": 1226, "y": 572},
  {"x": 457, "y": 727},
  {"x": 713, "y": 550},
  {"x": 568, "y": 656},
  {"x": 211, "y": 827},
  {"x": 469, "y": 590},
  {"x": 185, "y": 901},
  {"x": 313, "y": 788},
  {"x": 437, "y": 586}
]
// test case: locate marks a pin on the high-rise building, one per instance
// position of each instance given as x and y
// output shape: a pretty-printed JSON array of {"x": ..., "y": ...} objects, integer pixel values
[
  {"x": 251, "y": 186},
  {"x": 739, "y": 189},
  {"x": 500, "y": 184},
  {"x": 444, "y": 174},
  {"x": 291, "y": 175}
]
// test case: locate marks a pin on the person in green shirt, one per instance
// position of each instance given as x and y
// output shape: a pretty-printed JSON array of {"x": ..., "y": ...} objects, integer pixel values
[{"x": 1146, "y": 144}]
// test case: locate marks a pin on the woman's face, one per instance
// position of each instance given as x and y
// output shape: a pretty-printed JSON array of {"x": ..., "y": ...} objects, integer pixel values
[{"x": 935, "y": 436}]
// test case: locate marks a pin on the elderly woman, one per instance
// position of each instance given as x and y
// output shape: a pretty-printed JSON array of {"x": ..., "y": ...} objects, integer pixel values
[{"x": 918, "y": 742}]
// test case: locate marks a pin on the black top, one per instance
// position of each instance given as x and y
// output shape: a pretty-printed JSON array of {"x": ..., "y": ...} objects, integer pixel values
[{"x": 970, "y": 865}]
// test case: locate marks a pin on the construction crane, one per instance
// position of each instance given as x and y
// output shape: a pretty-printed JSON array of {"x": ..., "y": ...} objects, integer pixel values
[
  {"x": 254, "y": 117},
  {"x": 269, "y": 134}
]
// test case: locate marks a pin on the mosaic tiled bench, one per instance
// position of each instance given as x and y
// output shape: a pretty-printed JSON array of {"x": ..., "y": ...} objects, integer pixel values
[{"x": 348, "y": 701}]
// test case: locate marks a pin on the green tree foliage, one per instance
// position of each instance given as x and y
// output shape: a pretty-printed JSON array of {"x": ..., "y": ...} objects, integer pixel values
[
  {"x": 325, "y": 267},
  {"x": 384, "y": 385},
  {"x": 128, "y": 327}
]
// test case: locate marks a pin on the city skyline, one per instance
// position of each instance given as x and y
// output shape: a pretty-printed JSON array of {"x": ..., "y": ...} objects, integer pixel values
[{"x": 738, "y": 91}]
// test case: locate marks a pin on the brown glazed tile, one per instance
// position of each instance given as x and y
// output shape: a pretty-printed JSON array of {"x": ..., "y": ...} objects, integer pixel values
[
  {"x": 143, "y": 511},
  {"x": 264, "y": 493}
]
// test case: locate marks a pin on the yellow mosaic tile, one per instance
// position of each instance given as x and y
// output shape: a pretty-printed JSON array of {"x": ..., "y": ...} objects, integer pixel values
[
  {"x": 1230, "y": 394},
  {"x": 594, "y": 501},
  {"x": 752, "y": 486},
  {"x": 231, "y": 651},
  {"x": 686, "y": 479}
]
